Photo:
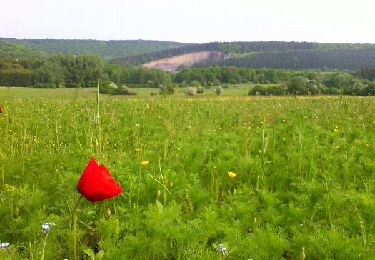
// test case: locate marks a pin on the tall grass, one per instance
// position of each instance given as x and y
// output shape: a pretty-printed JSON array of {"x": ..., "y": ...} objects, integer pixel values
[{"x": 304, "y": 179}]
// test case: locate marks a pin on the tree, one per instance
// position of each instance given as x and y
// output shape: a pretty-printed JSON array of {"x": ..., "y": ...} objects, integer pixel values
[{"x": 297, "y": 85}]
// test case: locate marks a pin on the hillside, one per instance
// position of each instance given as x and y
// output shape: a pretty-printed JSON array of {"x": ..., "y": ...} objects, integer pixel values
[
  {"x": 341, "y": 59},
  {"x": 105, "y": 49},
  {"x": 169, "y": 55},
  {"x": 10, "y": 49},
  {"x": 173, "y": 63},
  {"x": 283, "y": 55},
  {"x": 224, "y": 47}
]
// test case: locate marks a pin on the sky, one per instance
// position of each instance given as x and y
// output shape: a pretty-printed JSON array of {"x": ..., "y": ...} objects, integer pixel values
[{"x": 190, "y": 21}]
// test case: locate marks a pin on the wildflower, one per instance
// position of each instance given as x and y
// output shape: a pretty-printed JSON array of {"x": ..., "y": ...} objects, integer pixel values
[
  {"x": 232, "y": 174},
  {"x": 336, "y": 129},
  {"x": 96, "y": 183},
  {"x": 46, "y": 227},
  {"x": 144, "y": 163},
  {"x": 1, "y": 109},
  {"x": 222, "y": 249},
  {"x": 4, "y": 245}
]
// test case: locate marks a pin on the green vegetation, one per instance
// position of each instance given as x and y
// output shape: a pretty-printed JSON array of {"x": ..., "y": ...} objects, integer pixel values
[
  {"x": 9, "y": 49},
  {"x": 105, "y": 49},
  {"x": 269, "y": 178},
  {"x": 274, "y": 54},
  {"x": 89, "y": 70},
  {"x": 75, "y": 71},
  {"x": 271, "y": 54}
]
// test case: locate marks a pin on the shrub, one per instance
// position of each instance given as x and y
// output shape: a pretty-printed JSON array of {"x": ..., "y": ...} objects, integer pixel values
[
  {"x": 111, "y": 88},
  {"x": 192, "y": 91},
  {"x": 122, "y": 90},
  {"x": 264, "y": 90},
  {"x": 257, "y": 90},
  {"x": 166, "y": 90},
  {"x": 200, "y": 90},
  {"x": 298, "y": 86},
  {"x": 195, "y": 83},
  {"x": 218, "y": 91},
  {"x": 107, "y": 87}
]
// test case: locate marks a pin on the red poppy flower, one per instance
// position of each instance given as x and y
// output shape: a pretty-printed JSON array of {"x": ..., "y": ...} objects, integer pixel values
[
  {"x": 96, "y": 183},
  {"x": 1, "y": 109}
]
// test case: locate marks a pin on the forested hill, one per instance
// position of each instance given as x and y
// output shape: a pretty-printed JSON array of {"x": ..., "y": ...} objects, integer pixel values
[
  {"x": 25, "y": 48},
  {"x": 272, "y": 54},
  {"x": 341, "y": 59},
  {"x": 11, "y": 49},
  {"x": 225, "y": 47},
  {"x": 268, "y": 54}
]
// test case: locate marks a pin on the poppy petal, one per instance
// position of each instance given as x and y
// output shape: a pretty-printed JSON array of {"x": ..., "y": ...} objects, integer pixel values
[{"x": 96, "y": 183}]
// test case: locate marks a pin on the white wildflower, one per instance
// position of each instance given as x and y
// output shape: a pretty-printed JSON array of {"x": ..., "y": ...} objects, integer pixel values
[
  {"x": 4, "y": 245},
  {"x": 46, "y": 227},
  {"x": 222, "y": 249}
]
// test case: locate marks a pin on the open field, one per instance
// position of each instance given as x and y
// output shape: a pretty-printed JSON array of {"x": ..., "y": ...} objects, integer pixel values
[
  {"x": 269, "y": 178},
  {"x": 233, "y": 90}
]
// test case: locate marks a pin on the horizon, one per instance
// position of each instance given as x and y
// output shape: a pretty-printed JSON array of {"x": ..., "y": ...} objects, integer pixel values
[
  {"x": 153, "y": 40},
  {"x": 320, "y": 21}
]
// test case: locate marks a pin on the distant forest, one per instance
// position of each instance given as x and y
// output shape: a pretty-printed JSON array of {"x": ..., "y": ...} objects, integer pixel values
[
  {"x": 89, "y": 70},
  {"x": 105, "y": 49},
  {"x": 268, "y": 54},
  {"x": 282, "y": 55},
  {"x": 296, "y": 67}
]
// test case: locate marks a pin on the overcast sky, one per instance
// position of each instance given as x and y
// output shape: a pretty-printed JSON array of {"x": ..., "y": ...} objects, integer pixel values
[{"x": 190, "y": 20}]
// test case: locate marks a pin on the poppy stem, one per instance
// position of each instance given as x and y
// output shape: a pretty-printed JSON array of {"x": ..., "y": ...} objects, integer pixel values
[
  {"x": 74, "y": 227},
  {"x": 98, "y": 104}
]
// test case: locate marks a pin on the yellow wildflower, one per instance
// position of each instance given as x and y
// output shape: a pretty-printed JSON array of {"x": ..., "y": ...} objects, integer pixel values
[
  {"x": 145, "y": 163},
  {"x": 232, "y": 174}
]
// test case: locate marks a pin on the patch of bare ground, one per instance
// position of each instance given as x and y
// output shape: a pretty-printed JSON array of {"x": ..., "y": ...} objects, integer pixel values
[{"x": 172, "y": 63}]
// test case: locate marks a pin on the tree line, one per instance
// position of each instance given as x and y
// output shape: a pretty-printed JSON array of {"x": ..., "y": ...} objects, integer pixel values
[
  {"x": 282, "y": 82},
  {"x": 26, "y": 48},
  {"x": 271, "y": 54},
  {"x": 73, "y": 71},
  {"x": 225, "y": 47},
  {"x": 88, "y": 70},
  {"x": 352, "y": 58}
]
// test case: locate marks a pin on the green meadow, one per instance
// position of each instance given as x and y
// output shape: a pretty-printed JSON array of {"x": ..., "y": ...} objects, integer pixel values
[{"x": 266, "y": 177}]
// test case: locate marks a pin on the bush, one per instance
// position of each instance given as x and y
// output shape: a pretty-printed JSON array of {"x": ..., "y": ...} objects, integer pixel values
[
  {"x": 298, "y": 86},
  {"x": 218, "y": 91},
  {"x": 192, "y": 91},
  {"x": 122, "y": 90},
  {"x": 166, "y": 90},
  {"x": 313, "y": 89},
  {"x": 107, "y": 87},
  {"x": 195, "y": 83},
  {"x": 330, "y": 91},
  {"x": 368, "y": 90},
  {"x": 265, "y": 91},
  {"x": 111, "y": 88}
]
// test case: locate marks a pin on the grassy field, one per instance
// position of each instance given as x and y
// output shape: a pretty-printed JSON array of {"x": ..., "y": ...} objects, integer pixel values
[
  {"x": 268, "y": 178},
  {"x": 233, "y": 90}
]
